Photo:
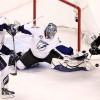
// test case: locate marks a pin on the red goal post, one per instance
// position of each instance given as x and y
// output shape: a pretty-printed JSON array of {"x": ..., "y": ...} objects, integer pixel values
[{"x": 79, "y": 19}]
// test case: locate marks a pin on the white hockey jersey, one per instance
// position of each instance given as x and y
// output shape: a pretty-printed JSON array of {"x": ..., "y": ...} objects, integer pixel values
[
  {"x": 40, "y": 46},
  {"x": 2, "y": 33}
]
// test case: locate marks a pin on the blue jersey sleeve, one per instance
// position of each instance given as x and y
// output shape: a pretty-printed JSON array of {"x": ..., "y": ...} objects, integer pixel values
[
  {"x": 23, "y": 30},
  {"x": 3, "y": 26}
]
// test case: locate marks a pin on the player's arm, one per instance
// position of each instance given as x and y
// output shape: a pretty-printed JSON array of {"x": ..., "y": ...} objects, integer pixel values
[
  {"x": 27, "y": 28},
  {"x": 12, "y": 29},
  {"x": 24, "y": 30}
]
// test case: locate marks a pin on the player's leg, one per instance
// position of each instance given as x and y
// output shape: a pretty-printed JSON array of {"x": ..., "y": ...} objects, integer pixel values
[
  {"x": 53, "y": 54},
  {"x": 27, "y": 60},
  {"x": 5, "y": 80}
]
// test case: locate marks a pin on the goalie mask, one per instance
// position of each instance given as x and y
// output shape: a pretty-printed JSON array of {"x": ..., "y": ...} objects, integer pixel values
[{"x": 50, "y": 31}]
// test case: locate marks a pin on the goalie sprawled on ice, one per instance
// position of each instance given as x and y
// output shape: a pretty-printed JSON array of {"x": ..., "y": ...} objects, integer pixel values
[{"x": 45, "y": 46}]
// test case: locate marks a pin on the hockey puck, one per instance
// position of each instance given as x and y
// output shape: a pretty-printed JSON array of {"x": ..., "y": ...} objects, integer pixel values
[
  {"x": 83, "y": 51},
  {"x": 97, "y": 65}
]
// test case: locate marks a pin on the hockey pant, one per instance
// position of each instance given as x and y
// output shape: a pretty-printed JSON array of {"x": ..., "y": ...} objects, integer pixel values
[
  {"x": 61, "y": 65},
  {"x": 4, "y": 70},
  {"x": 28, "y": 59}
]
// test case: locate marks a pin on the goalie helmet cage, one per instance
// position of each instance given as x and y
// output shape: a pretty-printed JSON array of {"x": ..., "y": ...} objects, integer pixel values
[{"x": 71, "y": 5}]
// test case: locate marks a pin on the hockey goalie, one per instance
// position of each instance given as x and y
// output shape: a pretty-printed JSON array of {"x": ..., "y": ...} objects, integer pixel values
[{"x": 30, "y": 58}]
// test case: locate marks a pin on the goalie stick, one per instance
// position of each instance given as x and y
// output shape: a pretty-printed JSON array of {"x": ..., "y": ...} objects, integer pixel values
[
  {"x": 15, "y": 66},
  {"x": 37, "y": 18},
  {"x": 34, "y": 19}
]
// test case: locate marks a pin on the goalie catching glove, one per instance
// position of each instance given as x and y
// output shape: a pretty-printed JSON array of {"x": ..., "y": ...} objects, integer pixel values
[{"x": 71, "y": 66}]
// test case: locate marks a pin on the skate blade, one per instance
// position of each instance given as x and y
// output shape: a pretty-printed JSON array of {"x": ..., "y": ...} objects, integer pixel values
[{"x": 7, "y": 96}]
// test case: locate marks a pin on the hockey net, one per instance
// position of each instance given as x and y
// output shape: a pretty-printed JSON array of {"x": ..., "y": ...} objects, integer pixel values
[{"x": 60, "y": 12}]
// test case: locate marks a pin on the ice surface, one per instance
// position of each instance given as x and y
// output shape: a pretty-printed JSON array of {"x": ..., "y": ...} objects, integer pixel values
[{"x": 42, "y": 82}]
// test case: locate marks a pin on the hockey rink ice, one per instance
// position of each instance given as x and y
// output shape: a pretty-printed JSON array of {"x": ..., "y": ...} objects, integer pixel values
[{"x": 42, "y": 82}]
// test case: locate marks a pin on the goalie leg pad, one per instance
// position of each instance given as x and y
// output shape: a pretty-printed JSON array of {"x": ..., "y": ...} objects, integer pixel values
[
  {"x": 5, "y": 77},
  {"x": 82, "y": 57},
  {"x": 61, "y": 65}
]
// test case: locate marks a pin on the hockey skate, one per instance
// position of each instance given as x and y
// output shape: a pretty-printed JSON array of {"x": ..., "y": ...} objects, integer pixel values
[{"x": 6, "y": 93}]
